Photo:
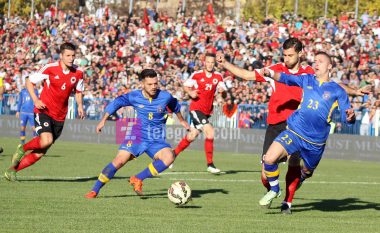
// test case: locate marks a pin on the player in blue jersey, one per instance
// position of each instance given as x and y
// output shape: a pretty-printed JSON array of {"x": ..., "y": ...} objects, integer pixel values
[
  {"x": 25, "y": 113},
  {"x": 151, "y": 106},
  {"x": 309, "y": 126}
]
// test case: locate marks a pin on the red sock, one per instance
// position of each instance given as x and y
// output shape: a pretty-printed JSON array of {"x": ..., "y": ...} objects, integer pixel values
[
  {"x": 27, "y": 160},
  {"x": 292, "y": 180},
  {"x": 265, "y": 182},
  {"x": 182, "y": 145},
  {"x": 209, "y": 149},
  {"x": 33, "y": 144}
]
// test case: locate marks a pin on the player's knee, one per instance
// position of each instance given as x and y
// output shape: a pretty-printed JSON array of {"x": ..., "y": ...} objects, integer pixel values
[
  {"x": 46, "y": 142},
  {"x": 192, "y": 135},
  {"x": 268, "y": 159}
]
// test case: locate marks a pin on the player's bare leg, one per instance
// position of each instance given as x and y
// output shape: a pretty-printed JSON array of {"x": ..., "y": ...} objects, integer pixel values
[
  {"x": 109, "y": 171},
  {"x": 209, "y": 148},
  {"x": 274, "y": 154}
]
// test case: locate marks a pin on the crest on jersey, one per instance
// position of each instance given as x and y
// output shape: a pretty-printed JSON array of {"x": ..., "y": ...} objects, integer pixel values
[
  {"x": 160, "y": 109},
  {"x": 326, "y": 95},
  {"x": 310, "y": 87},
  {"x": 73, "y": 80},
  {"x": 141, "y": 106},
  {"x": 215, "y": 81}
]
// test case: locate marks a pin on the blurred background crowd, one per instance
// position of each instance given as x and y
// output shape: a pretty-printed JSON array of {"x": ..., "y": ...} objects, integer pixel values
[{"x": 113, "y": 50}]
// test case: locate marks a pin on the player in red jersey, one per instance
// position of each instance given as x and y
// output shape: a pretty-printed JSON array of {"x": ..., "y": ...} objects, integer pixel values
[
  {"x": 201, "y": 88},
  {"x": 60, "y": 79},
  {"x": 283, "y": 102}
]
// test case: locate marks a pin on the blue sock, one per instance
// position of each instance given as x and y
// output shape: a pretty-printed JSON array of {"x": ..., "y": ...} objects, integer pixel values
[
  {"x": 22, "y": 137},
  {"x": 106, "y": 175},
  {"x": 153, "y": 169},
  {"x": 272, "y": 172}
]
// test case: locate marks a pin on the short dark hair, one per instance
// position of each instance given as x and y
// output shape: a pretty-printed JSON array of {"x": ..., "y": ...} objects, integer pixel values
[
  {"x": 147, "y": 73},
  {"x": 67, "y": 46},
  {"x": 211, "y": 55},
  {"x": 293, "y": 43},
  {"x": 324, "y": 54}
]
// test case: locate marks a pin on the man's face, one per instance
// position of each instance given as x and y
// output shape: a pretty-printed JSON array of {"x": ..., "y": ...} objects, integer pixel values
[
  {"x": 209, "y": 63},
  {"x": 67, "y": 57},
  {"x": 291, "y": 58},
  {"x": 322, "y": 65},
  {"x": 150, "y": 85}
]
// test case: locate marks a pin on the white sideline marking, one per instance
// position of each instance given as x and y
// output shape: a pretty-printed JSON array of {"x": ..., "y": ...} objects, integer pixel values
[{"x": 73, "y": 178}]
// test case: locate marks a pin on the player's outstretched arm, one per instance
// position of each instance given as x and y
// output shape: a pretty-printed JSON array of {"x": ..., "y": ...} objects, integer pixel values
[
  {"x": 235, "y": 70},
  {"x": 37, "y": 102},
  {"x": 356, "y": 92}
]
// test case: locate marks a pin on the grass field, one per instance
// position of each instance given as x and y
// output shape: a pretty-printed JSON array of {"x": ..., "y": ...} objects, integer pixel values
[{"x": 343, "y": 196}]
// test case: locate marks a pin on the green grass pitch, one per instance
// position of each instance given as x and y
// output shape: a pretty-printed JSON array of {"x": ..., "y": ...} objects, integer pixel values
[{"x": 342, "y": 196}]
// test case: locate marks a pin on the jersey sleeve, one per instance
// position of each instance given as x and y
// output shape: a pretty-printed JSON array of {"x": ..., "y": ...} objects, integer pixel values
[
  {"x": 294, "y": 80},
  {"x": 38, "y": 77},
  {"x": 80, "y": 86},
  {"x": 119, "y": 102},
  {"x": 191, "y": 82},
  {"x": 173, "y": 105},
  {"x": 344, "y": 104}
]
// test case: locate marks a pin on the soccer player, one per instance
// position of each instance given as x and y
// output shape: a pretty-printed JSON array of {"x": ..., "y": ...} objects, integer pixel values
[
  {"x": 201, "y": 88},
  {"x": 24, "y": 112},
  {"x": 282, "y": 103},
  {"x": 152, "y": 107},
  {"x": 309, "y": 126},
  {"x": 60, "y": 79}
]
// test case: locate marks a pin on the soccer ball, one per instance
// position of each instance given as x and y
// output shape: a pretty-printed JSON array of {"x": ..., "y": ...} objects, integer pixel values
[{"x": 179, "y": 193}]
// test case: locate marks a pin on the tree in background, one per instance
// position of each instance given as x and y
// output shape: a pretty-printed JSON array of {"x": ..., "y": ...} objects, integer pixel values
[{"x": 306, "y": 8}]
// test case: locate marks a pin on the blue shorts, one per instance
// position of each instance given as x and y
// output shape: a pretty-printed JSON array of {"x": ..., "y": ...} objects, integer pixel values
[
  {"x": 151, "y": 148},
  {"x": 25, "y": 118},
  {"x": 309, "y": 152}
]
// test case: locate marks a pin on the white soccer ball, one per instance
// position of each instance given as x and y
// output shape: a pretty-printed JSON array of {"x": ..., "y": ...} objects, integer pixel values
[{"x": 179, "y": 193}]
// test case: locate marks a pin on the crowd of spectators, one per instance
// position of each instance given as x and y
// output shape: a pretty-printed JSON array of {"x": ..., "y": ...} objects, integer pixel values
[{"x": 113, "y": 50}]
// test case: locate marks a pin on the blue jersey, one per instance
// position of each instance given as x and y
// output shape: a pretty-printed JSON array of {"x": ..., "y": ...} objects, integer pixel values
[
  {"x": 25, "y": 102},
  {"x": 151, "y": 113},
  {"x": 311, "y": 121}
]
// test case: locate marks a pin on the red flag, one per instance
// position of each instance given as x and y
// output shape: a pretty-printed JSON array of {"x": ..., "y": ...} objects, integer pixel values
[
  {"x": 210, "y": 10},
  {"x": 210, "y": 17},
  {"x": 146, "y": 18}
]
